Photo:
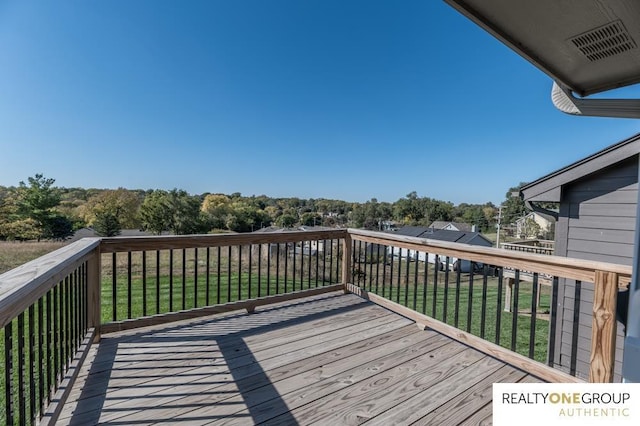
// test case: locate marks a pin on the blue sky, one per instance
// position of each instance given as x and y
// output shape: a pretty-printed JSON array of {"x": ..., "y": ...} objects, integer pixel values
[{"x": 314, "y": 99}]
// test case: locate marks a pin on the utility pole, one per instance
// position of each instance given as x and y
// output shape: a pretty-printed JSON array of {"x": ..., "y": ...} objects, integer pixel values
[{"x": 498, "y": 226}]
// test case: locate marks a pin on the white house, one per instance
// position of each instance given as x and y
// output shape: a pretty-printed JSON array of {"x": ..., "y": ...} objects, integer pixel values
[
  {"x": 543, "y": 221},
  {"x": 473, "y": 238},
  {"x": 452, "y": 226}
]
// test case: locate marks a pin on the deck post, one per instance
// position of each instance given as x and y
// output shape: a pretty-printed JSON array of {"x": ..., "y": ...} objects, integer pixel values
[
  {"x": 346, "y": 261},
  {"x": 507, "y": 294},
  {"x": 94, "y": 278},
  {"x": 603, "y": 332}
]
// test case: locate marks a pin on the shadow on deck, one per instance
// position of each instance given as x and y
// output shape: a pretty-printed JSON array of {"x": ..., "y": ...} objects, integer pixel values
[{"x": 330, "y": 359}]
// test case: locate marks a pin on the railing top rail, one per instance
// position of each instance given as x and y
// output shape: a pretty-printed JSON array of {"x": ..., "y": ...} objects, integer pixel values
[
  {"x": 166, "y": 242},
  {"x": 577, "y": 269},
  {"x": 22, "y": 286}
]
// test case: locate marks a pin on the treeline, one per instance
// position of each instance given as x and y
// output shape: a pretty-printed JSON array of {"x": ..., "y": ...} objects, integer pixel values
[{"x": 38, "y": 210}]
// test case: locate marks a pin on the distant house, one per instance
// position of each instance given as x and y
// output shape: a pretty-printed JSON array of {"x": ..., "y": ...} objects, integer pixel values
[
  {"x": 463, "y": 237},
  {"x": 454, "y": 236},
  {"x": 452, "y": 226},
  {"x": 598, "y": 198},
  {"x": 544, "y": 221},
  {"x": 388, "y": 225}
]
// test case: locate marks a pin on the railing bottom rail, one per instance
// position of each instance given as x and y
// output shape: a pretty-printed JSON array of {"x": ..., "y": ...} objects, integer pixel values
[
  {"x": 520, "y": 361},
  {"x": 248, "y": 304}
]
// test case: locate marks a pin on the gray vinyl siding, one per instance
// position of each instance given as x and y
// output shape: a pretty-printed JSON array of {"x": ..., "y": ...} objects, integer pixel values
[{"x": 596, "y": 222}]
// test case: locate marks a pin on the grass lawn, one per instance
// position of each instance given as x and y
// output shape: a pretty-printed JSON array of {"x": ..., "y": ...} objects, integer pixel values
[
  {"x": 14, "y": 254},
  {"x": 171, "y": 295},
  {"x": 166, "y": 282}
]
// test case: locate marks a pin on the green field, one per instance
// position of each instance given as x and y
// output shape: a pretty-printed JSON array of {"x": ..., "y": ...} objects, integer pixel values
[{"x": 14, "y": 254}]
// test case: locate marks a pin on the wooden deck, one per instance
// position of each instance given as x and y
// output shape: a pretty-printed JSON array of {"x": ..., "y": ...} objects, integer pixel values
[{"x": 333, "y": 359}]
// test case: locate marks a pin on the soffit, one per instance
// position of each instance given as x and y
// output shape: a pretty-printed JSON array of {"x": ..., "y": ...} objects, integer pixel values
[{"x": 588, "y": 45}]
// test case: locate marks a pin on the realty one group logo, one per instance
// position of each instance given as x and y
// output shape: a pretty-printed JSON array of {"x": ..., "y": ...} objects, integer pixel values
[{"x": 566, "y": 403}]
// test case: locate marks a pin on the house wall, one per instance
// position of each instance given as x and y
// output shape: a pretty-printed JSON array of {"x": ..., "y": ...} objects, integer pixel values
[{"x": 596, "y": 222}]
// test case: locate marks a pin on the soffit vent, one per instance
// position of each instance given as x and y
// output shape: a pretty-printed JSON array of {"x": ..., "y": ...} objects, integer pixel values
[{"x": 604, "y": 42}]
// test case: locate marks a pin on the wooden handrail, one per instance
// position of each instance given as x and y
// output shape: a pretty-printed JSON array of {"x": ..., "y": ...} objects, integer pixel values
[
  {"x": 577, "y": 269},
  {"x": 119, "y": 244},
  {"x": 22, "y": 286}
]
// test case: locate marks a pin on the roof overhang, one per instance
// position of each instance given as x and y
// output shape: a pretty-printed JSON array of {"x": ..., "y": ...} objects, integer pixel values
[
  {"x": 549, "y": 187},
  {"x": 588, "y": 46}
]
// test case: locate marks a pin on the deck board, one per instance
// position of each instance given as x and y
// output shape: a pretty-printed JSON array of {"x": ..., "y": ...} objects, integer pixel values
[
  {"x": 466, "y": 403},
  {"x": 328, "y": 359}
]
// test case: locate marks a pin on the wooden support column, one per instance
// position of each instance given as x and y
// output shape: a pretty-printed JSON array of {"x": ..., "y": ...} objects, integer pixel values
[
  {"x": 603, "y": 333},
  {"x": 507, "y": 294},
  {"x": 94, "y": 279},
  {"x": 346, "y": 261}
]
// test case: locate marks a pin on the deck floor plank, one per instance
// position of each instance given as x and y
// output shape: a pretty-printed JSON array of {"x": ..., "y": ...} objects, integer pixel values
[
  {"x": 361, "y": 401},
  {"x": 332, "y": 377},
  {"x": 198, "y": 399},
  {"x": 182, "y": 361},
  {"x": 210, "y": 393},
  {"x": 482, "y": 417},
  {"x": 298, "y": 374},
  {"x": 465, "y": 404},
  {"x": 415, "y": 408},
  {"x": 326, "y": 359}
]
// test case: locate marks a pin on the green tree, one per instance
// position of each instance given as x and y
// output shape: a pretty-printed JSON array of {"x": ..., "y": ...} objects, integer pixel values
[
  {"x": 513, "y": 206},
  {"x": 36, "y": 201},
  {"x": 286, "y": 221},
  {"x": 121, "y": 203},
  {"x": 273, "y": 212},
  {"x": 474, "y": 215},
  {"x": 414, "y": 210},
  {"x": 106, "y": 224},
  {"x": 215, "y": 208},
  {"x": 185, "y": 213},
  {"x": 156, "y": 212},
  {"x": 8, "y": 214},
  {"x": 174, "y": 210},
  {"x": 436, "y": 210},
  {"x": 21, "y": 229},
  {"x": 530, "y": 228},
  {"x": 310, "y": 219},
  {"x": 58, "y": 227},
  {"x": 409, "y": 210}
]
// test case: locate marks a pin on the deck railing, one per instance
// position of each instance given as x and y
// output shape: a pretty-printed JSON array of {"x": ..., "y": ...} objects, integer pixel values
[
  {"x": 47, "y": 318},
  {"x": 465, "y": 287},
  {"x": 153, "y": 279},
  {"x": 52, "y": 308},
  {"x": 531, "y": 246}
]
